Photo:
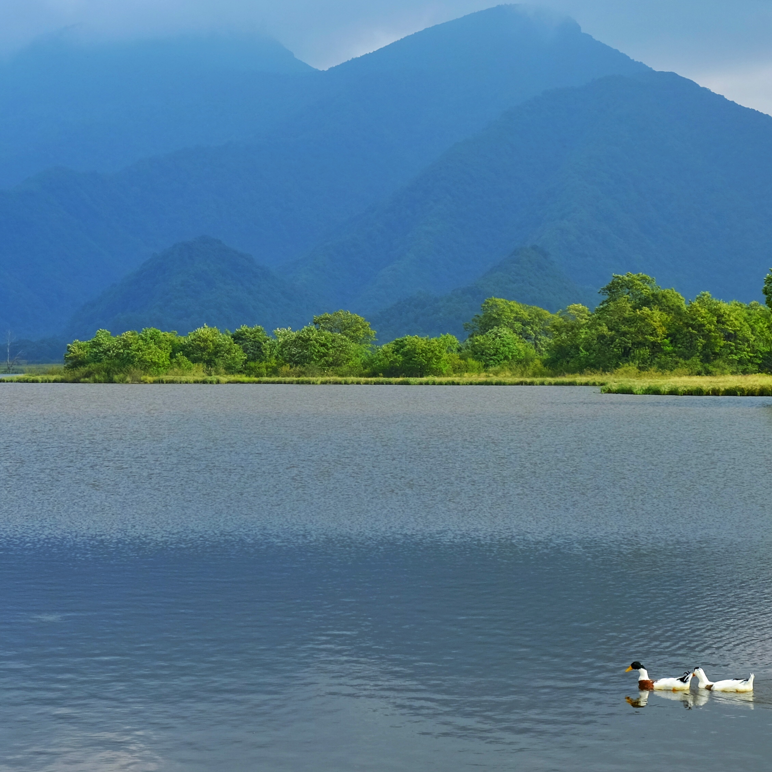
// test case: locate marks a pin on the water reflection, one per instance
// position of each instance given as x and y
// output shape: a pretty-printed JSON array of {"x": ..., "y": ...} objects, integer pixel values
[
  {"x": 688, "y": 699},
  {"x": 730, "y": 698}
]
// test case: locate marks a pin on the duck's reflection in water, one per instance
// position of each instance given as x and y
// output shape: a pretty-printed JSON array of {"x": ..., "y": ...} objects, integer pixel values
[
  {"x": 688, "y": 699},
  {"x": 734, "y": 698}
]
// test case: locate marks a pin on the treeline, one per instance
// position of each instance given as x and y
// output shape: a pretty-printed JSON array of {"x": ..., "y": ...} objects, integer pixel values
[{"x": 636, "y": 324}]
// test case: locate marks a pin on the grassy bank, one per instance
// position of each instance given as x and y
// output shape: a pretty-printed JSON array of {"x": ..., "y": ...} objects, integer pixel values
[
  {"x": 691, "y": 385},
  {"x": 625, "y": 381},
  {"x": 457, "y": 380}
]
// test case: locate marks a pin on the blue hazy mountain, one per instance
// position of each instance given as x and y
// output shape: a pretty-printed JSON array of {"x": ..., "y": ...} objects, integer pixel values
[
  {"x": 378, "y": 121},
  {"x": 528, "y": 276},
  {"x": 193, "y": 283},
  {"x": 646, "y": 173},
  {"x": 87, "y": 106}
]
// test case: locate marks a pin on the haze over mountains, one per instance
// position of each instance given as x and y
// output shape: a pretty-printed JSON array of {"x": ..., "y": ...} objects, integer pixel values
[
  {"x": 413, "y": 169},
  {"x": 384, "y": 117},
  {"x": 101, "y": 107}
]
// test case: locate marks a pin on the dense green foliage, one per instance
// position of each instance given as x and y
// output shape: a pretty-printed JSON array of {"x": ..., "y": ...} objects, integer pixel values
[
  {"x": 366, "y": 128},
  {"x": 216, "y": 351},
  {"x": 351, "y": 326},
  {"x": 507, "y": 333},
  {"x": 106, "y": 356},
  {"x": 500, "y": 347},
  {"x": 255, "y": 342},
  {"x": 417, "y": 356},
  {"x": 768, "y": 288},
  {"x": 153, "y": 352},
  {"x": 313, "y": 347},
  {"x": 637, "y": 324},
  {"x": 530, "y": 323},
  {"x": 338, "y": 342}
]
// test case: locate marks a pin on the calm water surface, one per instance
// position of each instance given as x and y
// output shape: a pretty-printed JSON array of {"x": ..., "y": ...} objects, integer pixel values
[{"x": 372, "y": 578}]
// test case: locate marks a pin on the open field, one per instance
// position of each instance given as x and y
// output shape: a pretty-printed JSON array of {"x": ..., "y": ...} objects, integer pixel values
[{"x": 623, "y": 382}]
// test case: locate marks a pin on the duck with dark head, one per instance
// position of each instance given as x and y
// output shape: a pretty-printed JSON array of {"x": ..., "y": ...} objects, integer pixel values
[{"x": 680, "y": 684}]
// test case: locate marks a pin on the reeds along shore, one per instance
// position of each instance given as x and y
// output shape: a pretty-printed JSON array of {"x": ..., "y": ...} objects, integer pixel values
[{"x": 625, "y": 382}]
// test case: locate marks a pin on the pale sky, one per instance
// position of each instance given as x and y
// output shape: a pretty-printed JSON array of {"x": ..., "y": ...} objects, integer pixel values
[{"x": 723, "y": 44}]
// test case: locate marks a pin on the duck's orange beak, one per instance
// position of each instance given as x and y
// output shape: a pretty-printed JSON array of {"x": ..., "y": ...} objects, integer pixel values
[{"x": 628, "y": 670}]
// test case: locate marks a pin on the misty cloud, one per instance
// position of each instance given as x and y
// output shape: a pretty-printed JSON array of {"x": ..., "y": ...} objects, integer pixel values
[{"x": 711, "y": 41}]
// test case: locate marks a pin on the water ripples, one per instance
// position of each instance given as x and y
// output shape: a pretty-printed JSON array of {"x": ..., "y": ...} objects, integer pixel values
[{"x": 344, "y": 579}]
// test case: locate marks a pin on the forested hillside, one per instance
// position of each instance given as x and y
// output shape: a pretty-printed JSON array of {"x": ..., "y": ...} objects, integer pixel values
[
  {"x": 645, "y": 173},
  {"x": 195, "y": 283},
  {"x": 528, "y": 276},
  {"x": 381, "y": 120}
]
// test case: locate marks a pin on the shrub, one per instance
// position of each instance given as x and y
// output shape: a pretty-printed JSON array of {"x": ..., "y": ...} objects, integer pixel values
[
  {"x": 216, "y": 351},
  {"x": 500, "y": 346},
  {"x": 416, "y": 356},
  {"x": 317, "y": 348}
]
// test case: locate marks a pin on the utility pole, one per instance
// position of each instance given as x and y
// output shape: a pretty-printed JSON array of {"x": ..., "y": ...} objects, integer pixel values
[{"x": 10, "y": 363}]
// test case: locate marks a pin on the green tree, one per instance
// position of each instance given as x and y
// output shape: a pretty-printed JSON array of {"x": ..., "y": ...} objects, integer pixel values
[
  {"x": 148, "y": 351},
  {"x": 314, "y": 347},
  {"x": 642, "y": 324},
  {"x": 500, "y": 346},
  {"x": 571, "y": 347},
  {"x": 215, "y": 350},
  {"x": 633, "y": 324},
  {"x": 77, "y": 355},
  {"x": 768, "y": 288},
  {"x": 726, "y": 337},
  {"x": 621, "y": 334},
  {"x": 81, "y": 354},
  {"x": 416, "y": 356},
  {"x": 530, "y": 323},
  {"x": 638, "y": 289},
  {"x": 106, "y": 355},
  {"x": 255, "y": 342},
  {"x": 352, "y": 326}
]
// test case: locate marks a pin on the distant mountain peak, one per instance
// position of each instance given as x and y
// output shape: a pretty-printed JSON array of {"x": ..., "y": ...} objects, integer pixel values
[
  {"x": 195, "y": 282},
  {"x": 525, "y": 16},
  {"x": 496, "y": 31}
]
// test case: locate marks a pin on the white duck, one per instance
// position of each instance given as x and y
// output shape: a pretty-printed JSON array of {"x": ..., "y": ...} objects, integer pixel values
[
  {"x": 661, "y": 684},
  {"x": 728, "y": 685}
]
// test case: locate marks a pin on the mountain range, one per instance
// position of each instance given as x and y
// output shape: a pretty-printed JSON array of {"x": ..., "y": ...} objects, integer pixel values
[
  {"x": 640, "y": 173},
  {"x": 381, "y": 120},
  {"x": 391, "y": 185}
]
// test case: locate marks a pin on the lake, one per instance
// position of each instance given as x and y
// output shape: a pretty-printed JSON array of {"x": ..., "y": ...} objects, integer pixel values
[{"x": 380, "y": 578}]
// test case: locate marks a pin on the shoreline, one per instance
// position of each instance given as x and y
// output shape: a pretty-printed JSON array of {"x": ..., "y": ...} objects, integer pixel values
[{"x": 641, "y": 384}]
